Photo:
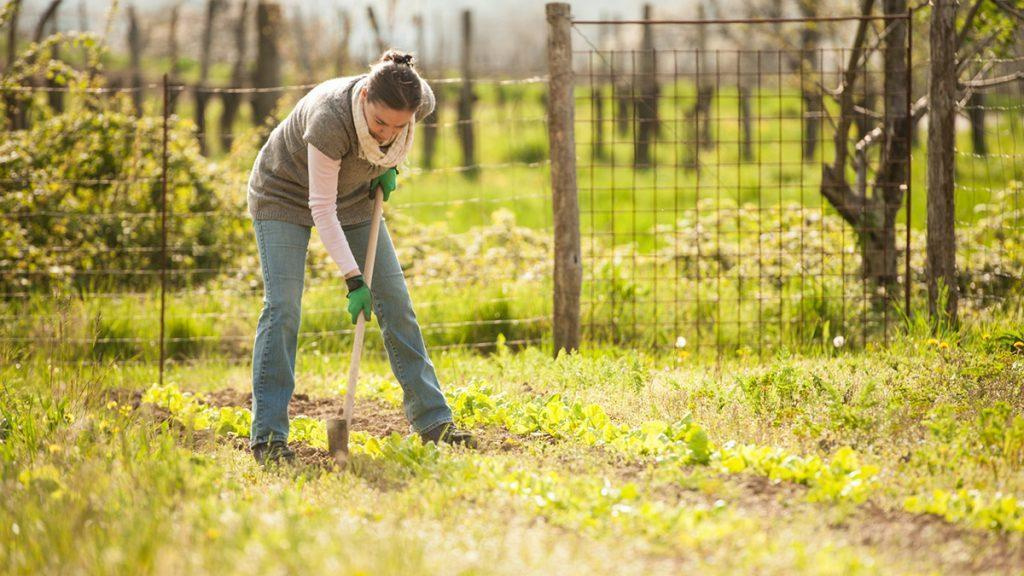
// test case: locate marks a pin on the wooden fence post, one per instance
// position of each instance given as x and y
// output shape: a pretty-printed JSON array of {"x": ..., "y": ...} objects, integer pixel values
[
  {"x": 942, "y": 98},
  {"x": 568, "y": 266}
]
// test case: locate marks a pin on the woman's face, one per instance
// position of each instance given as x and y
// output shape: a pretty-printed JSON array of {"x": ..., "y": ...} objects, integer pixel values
[{"x": 384, "y": 123}]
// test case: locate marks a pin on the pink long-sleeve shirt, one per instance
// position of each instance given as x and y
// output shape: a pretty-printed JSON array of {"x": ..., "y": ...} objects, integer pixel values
[{"x": 323, "y": 198}]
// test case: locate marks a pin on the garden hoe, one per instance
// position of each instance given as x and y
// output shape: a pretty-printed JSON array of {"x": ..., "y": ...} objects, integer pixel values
[{"x": 338, "y": 428}]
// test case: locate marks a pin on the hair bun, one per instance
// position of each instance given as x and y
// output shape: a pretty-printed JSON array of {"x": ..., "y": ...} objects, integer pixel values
[{"x": 397, "y": 57}]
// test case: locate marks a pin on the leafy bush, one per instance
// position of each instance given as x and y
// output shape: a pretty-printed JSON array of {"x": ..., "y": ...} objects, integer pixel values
[{"x": 83, "y": 189}]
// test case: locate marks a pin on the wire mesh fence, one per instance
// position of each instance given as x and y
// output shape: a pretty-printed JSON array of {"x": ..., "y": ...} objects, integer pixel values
[
  {"x": 732, "y": 201},
  {"x": 990, "y": 187},
  {"x": 86, "y": 263}
]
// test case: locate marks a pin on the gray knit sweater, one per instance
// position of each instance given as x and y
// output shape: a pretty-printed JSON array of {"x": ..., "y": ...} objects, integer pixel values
[{"x": 279, "y": 181}]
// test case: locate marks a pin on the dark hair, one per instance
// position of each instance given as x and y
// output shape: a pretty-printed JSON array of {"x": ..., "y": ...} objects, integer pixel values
[{"x": 394, "y": 82}]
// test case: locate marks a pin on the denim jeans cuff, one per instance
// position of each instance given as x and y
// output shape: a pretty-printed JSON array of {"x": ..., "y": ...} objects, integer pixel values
[{"x": 431, "y": 419}]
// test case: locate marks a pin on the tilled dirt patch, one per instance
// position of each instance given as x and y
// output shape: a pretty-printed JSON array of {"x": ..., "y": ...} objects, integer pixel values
[
  {"x": 927, "y": 538},
  {"x": 371, "y": 416}
]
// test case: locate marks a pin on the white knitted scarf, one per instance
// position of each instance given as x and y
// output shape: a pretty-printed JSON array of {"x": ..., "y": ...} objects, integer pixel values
[{"x": 369, "y": 149}]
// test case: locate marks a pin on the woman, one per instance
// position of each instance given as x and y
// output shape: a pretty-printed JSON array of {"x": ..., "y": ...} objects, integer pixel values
[{"x": 319, "y": 168}]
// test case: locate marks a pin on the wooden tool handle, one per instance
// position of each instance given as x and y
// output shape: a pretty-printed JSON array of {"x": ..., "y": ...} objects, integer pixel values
[{"x": 357, "y": 346}]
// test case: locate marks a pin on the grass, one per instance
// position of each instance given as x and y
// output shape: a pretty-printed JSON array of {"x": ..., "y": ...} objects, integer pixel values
[{"x": 95, "y": 485}]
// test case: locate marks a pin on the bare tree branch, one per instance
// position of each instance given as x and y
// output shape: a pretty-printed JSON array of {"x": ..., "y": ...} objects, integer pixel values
[
  {"x": 381, "y": 42},
  {"x": 868, "y": 112},
  {"x": 846, "y": 96},
  {"x": 860, "y": 159},
  {"x": 990, "y": 82},
  {"x": 1009, "y": 9},
  {"x": 968, "y": 92},
  {"x": 51, "y": 10},
  {"x": 976, "y": 48},
  {"x": 917, "y": 111},
  {"x": 968, "y": 22},
  {"x": 849, "y": 203}
]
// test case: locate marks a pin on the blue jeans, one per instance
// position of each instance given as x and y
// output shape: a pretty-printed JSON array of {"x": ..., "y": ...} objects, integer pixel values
[{"x": 282, "y": 249}]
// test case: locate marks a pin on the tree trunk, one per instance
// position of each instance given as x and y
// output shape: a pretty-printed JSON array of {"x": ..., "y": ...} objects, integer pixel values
[
  {"x": 268, "y": 59},
  {"x": 233, "y": 100},
  {"x": 873, "y": 216},
  {"x": 135, "y": 59},
  {"x": 621, "y": 90},
  {"x": 745, "y": 119},
  {"x": 83, "y": 24},
  {"x": 12, "y": 104},
  {"x": 625, "y": 104},
  {"x": 303, "y": 46},
  {"x": 430, "y": 121},
  {"x": 809, "y": 37},
  {"x": 878, "y": 250},
  {"x": 976, "y": 113},
  {"x": 646, "y": 109},
  {"x": 879, "y": 227},
  {"x": 55, "y": 98},
  {"x": 597, "y": 122},
  {"x": 705, "y": 89},
  {"x": 941, "y": 267},
  {"x": 345, "y": 23},
  {"x": 702, "y": 115},
  {"x": 378, "y": 36},
  {"x": 202, "y": 94},
  {"x": 466, "y": 100},
  {"x": 174, "y": 55}
]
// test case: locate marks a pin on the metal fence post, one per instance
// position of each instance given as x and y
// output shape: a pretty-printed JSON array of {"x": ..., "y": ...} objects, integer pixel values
[
  {"x": 568, "y": 266},
  {"x": 910, "y": 151}
]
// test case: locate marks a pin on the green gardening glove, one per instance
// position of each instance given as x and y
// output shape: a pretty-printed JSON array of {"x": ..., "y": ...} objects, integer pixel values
[
  {"x": 388, "y": 181},
  {"x": 359, "y": 299}
]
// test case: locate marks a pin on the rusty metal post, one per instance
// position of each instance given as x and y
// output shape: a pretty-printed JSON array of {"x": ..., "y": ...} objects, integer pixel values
[
  {"x": 568, "y": 266},
  {"x": 910, "y": 140}
]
